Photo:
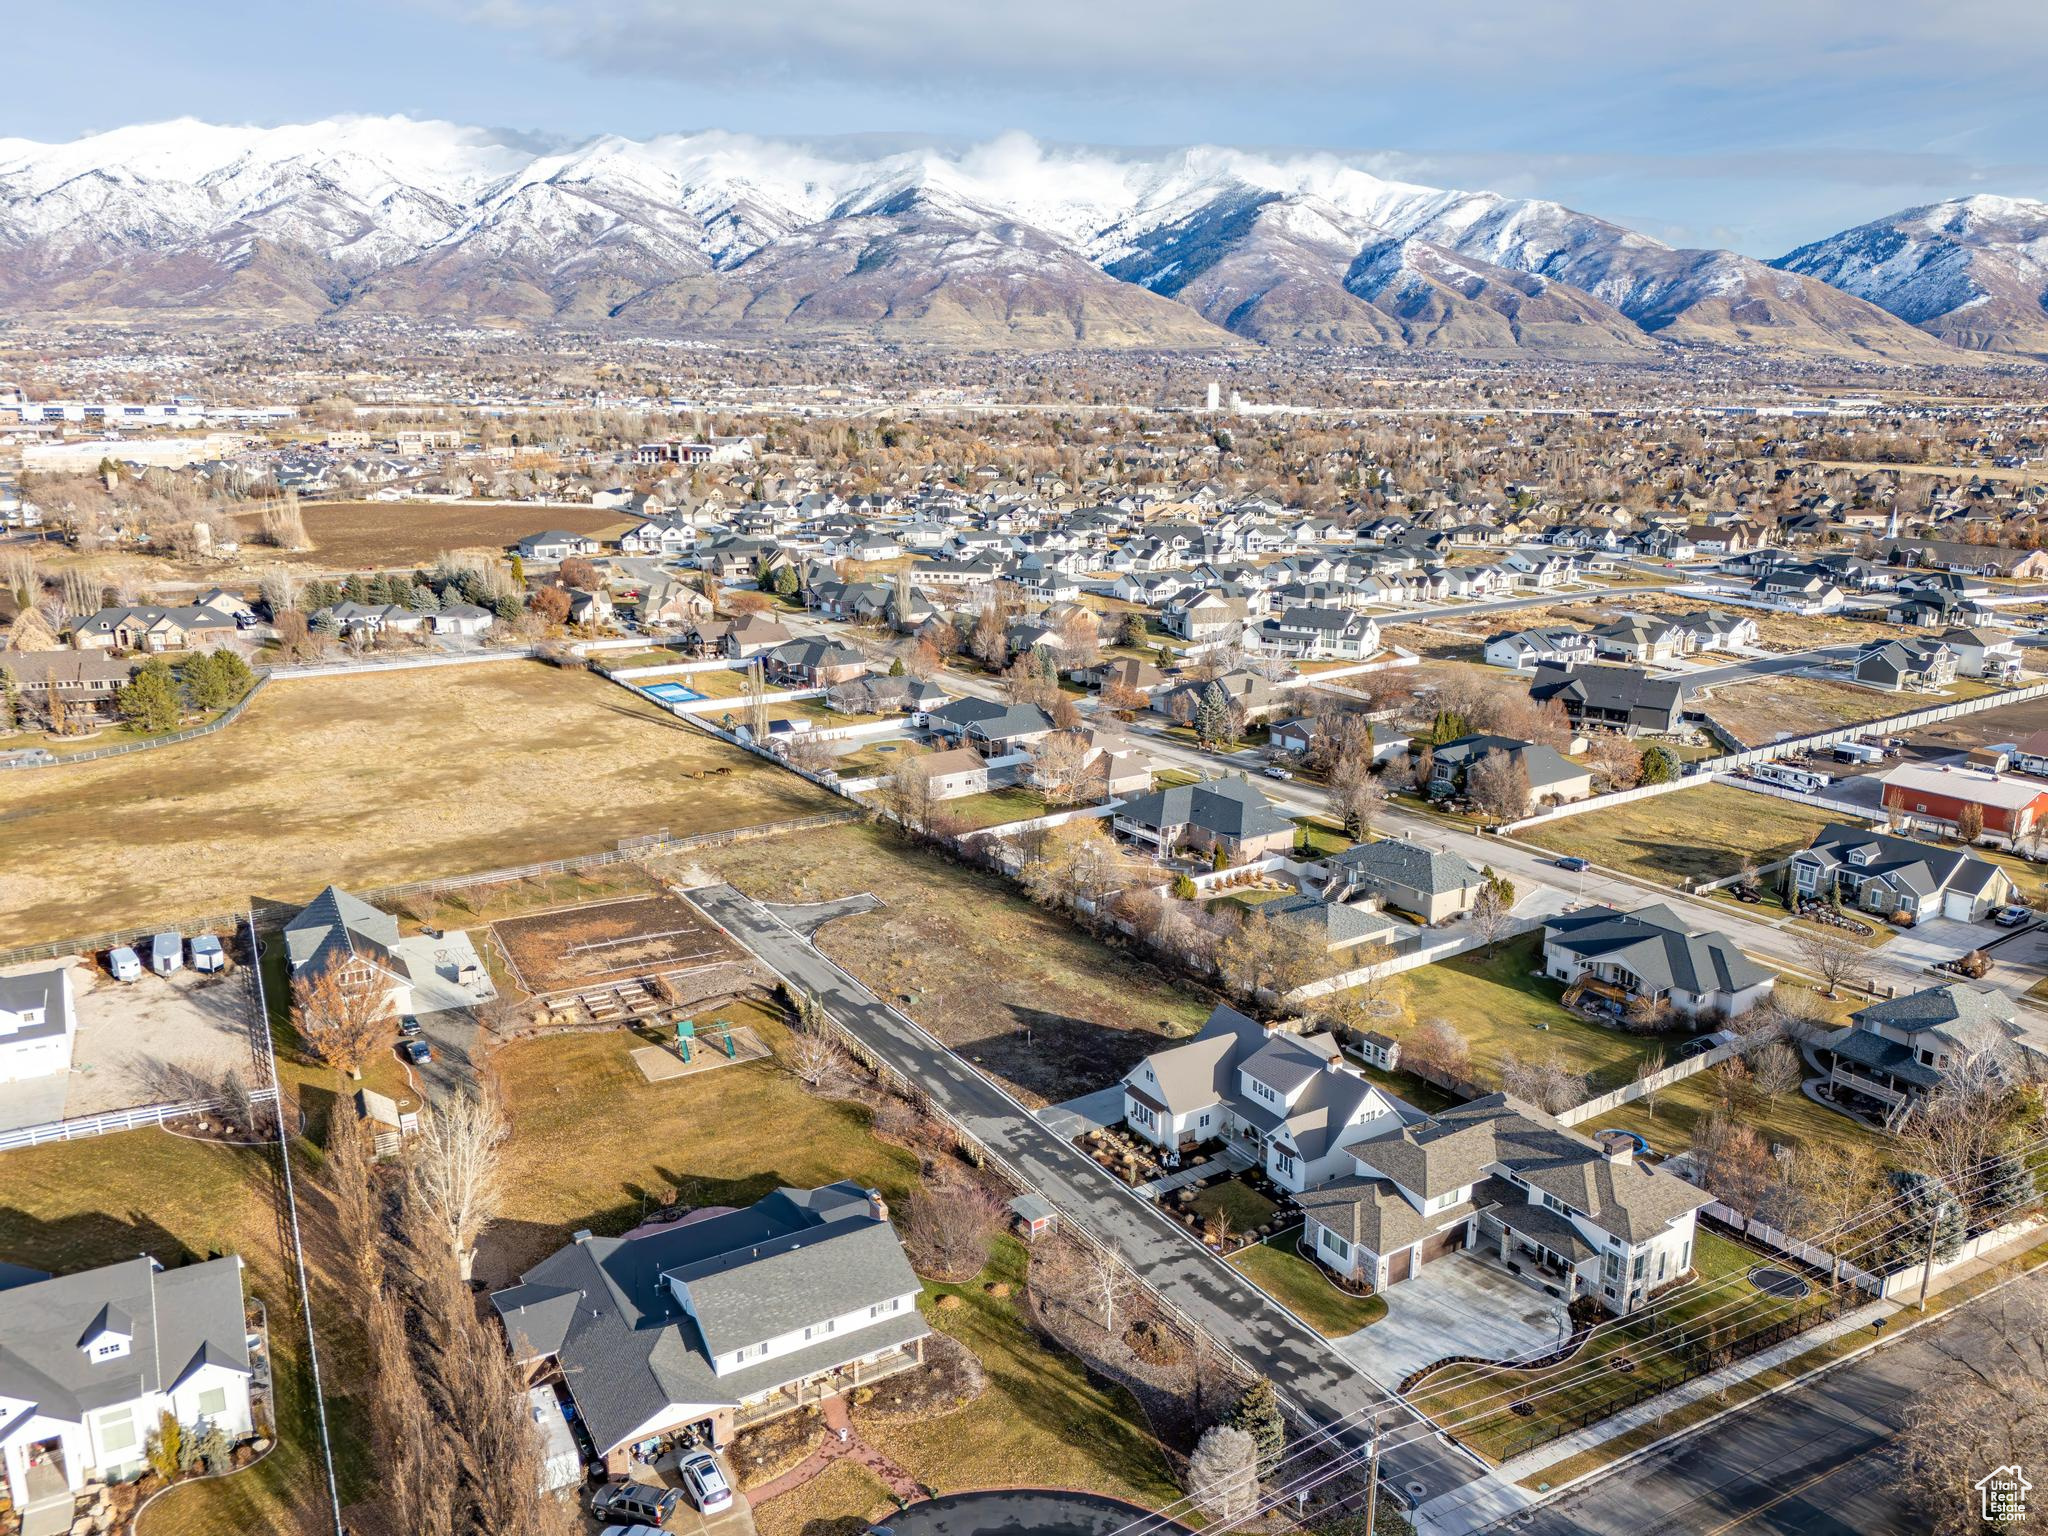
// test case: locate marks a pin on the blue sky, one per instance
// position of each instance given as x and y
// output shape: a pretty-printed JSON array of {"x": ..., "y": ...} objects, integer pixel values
[{"x": 1751, "y": 123}]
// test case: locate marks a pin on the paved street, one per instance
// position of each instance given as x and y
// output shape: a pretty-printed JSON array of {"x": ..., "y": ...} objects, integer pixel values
[
  {"x": 1810, "y": 1462},
  {"x": 1302, "y": 1364}
]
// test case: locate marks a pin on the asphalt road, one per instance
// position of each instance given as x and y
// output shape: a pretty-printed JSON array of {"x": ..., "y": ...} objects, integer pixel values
[
  {"x": 1815, "y": 1461},
  {"x": 1322, "y": 1384}
]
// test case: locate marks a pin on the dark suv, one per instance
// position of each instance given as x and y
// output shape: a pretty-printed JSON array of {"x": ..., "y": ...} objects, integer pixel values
[{"x": 635, "y": 1501}]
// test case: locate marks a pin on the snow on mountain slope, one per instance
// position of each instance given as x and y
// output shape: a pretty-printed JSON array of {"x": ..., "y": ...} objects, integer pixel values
[
  {"x": 1973, "y": 270},
  {"x": 1009, "y": 238}
]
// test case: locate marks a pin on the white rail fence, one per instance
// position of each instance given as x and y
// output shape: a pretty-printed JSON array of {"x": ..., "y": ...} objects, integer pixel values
[{"x": 115, "y": 1120}]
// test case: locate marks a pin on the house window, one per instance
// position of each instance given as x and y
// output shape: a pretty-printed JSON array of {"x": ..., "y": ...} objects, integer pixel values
[
  {"x": 1610, "y": 1270},
  {"x": 1140, "y": 1115},
  {"x": 1336, "y": 1245},
  {"x": 1552, "y": 1203},
  {"x": 1283, "y": 1161},
  {"x": 110, "y": 1349},
  {"x": 213, "y": 1402},
  {"x": 117, "y": 1431}
]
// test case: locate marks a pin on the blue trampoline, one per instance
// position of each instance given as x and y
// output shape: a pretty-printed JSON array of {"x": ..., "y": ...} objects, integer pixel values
[{"x": 671, "y": 693}]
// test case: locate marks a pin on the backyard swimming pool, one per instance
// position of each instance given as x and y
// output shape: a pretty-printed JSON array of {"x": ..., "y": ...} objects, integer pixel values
[{"x": 671, "y": 693}]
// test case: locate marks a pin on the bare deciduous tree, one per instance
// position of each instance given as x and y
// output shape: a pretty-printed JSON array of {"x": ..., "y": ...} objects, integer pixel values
[
  {"x": 1498, "y": 785},
  {"x": 1776, "y": 1070},
  {"x": 1439, "y": 1048},
  {"x": 1978, "y": 1409},
  {"x": 1550, "y": 1084},
  {"x": 813, "y": 1055},
  {"x": 950, "y": 1228},
  {"x": 1059, "y": 767},
  {"x": 341, "y": 1017},
  {"x": 1491, "y": 914},
  {"x": 1831, "y": 955},
  {"x": 456, "y": 1174}
]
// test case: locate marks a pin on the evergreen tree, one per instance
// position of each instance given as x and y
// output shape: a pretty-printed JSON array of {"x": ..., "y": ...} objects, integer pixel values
[
  {"x": 151, "y": 702},
  {"x": 1658, "y": 766},
  {"x": 356, "y": 589},
  {"x": 424, "y": 599},
  {"x": 786, "y": 584},
  {"x": 518, "y": 573},
  {"x": 896, "y": 667},
  {"x": 1927, "y": 1205},
  {"x": 1048, "y": 665},
  {"x": 2007, "y": 1185},
  {"x": 1257, "y": 1413}
]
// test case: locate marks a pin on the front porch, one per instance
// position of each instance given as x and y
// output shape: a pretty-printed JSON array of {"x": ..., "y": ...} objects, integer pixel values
[{"x": 828, "y": 1384}]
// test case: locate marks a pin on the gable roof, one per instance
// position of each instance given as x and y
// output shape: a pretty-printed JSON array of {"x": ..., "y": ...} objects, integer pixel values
[
  {"x": 1656, "y": 944},
  {"x": 334, "y": 926},
  {"x": 1230, "y": 808}
]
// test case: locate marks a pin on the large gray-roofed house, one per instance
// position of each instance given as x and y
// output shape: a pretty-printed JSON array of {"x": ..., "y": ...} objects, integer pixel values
[
  {"x": 1899, "y": 1050},
  {"x": 38, "y": 1021},
  {"x": 1433, "y": 883},
  {"x": 1625, "y": 698},
  {"x": 1880, "y": 872},
  {"x": 1501, "y": 1178},
  {"x": 1227, "y": 812},
  {"x": 1652, "y": 952},
  {"x": 1553, "y": 777},
  {"x": 337, "y": 931},
  {"x": 720, "y": 1320},
  {"x": 89, "y": 1362},
  {"x": 1338, "y": 926},
  {"x": 1289, "y": 1101},
  {"x": 991, "y": 728}
]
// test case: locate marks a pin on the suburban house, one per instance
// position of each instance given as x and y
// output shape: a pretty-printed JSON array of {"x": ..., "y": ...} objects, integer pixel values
[
  {"x": 1902, "y": 664},
  {"x": 83, "y": 684},
  {"x": 1287, "y": 1102},
  {"x": 1553, "y": 778},
  {"x": 1625, "y": 699},
  {"x": 1432, "y": 883},
  {"x": 37, "y": 1023},
  {"x": 992, "y": 729},
  {"x": 1897, "y": 1051},
  {"x": 1319, "y": 634},
  {"x": 720, "y": 1321},
  {"x": 1500, "y": 1178},
  {"x": 337, "y": 931},
  {"x": 815, "y": 663},
  {"x": 90, "y": 1362},
  {"x": 187, "y": 628},
  {"x": 1337, "y": 926},
  {"x": 554, "y": 546},
  {"x": 1878, "y": 872},
  {"x": 1216, "y": 813},
  {"x": 1940, "y": 794},
  {"x": 462, "y": 619},
  {"x": 1983, "y": 653},
  {"x": 1524, "y": 650},
  {"x": 1651, "y": 953},
  {"x": 1641, "y": 639},
  {"x": 751, "y": 635},
  {"x": 955, "y": 772}
]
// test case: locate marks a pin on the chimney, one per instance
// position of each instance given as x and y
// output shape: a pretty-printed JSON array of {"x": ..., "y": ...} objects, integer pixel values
[
  {"x": 878, "y": 1208},
  {"x": 1618, "y": 1147}
]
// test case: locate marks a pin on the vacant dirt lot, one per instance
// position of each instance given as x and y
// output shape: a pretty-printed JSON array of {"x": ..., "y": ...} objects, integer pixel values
[
  {"x": 610, "y": 941},
  {"x": 2010, "y": 722},
  {"x": 366, "y": 781},
  {"x": 1768, "y": 709},
  {"x": 380, "y": 535},
  {"x": 1019, "y": 991}
]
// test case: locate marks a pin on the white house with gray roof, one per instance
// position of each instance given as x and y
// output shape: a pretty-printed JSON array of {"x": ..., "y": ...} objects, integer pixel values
[
  {"x": 342, "y": 933},
  {"x": 38, "y": 1022},
  {"x": 1653, "y": 953},
  {"x": 1291, "y": 1102},
  {"x": 1501, "y": 1178},
  {"x": 90, "y": 1362},
  {"x": 1899, "y": 1050},
  {"x": 721, "y": 1320}
]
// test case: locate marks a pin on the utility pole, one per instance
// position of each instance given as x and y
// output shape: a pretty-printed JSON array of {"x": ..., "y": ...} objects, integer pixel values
[
  {"x": 1372, "y": 1478},
  {"x": 1927, "y": 1268}
]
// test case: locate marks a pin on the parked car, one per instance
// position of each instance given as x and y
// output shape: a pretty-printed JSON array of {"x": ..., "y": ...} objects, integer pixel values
[
  {"x": 1573, "y": 862},
  {"x": 418, "y": 1052},
  {"x": 2010, "y": 917},
  {"x": 408, "y": 1026},
  {"x": 124, "y": 964},
  {"x": 642, "y": 1502},
  {"x": 632, "y": 1530},
  {"x": 1277, "y": 772},
  {"x": 708, "y": 1488}
]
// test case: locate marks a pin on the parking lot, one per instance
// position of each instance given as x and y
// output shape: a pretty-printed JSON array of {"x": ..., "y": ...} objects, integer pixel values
[{"x": 162, "y": 1038}]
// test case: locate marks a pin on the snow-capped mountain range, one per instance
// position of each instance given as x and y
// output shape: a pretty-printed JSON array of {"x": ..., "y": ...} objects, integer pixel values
[{"x": 1008, "y": 242}]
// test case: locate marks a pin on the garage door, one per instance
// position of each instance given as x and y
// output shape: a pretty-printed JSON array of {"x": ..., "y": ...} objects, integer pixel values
[
  {"x": 1956, "y": 905},
  {"x": 1398, "y": 1266},
  {"x": 1443, "y": 1243}
]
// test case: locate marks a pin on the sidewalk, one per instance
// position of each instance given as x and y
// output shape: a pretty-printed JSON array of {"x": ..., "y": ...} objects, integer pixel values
[{"x": 1494, "y": 1498}]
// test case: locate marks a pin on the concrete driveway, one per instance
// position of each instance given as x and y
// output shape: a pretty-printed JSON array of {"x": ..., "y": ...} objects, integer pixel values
[
  {"x": 1091, "y": 1112},
  {"x": 1458, "y": 1305}
]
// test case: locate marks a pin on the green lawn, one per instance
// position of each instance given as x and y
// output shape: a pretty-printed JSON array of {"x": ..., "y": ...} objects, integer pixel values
[
  {"x": 1475, "y": 1403},
  {"x": 1046, "y": 1419},
  {"x": 996, "y": 806},
  {"x": 1298, "y": 1283},
  {"x": 1692, "y": 834},
  {"x": 76, "y": 1205},
  {"x": 593, "y": 1142},
  {"x": 1502, "y": 1007},
  {"x": 1244, "y": 1207},
  {"x": 1320, "y": 838}
]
